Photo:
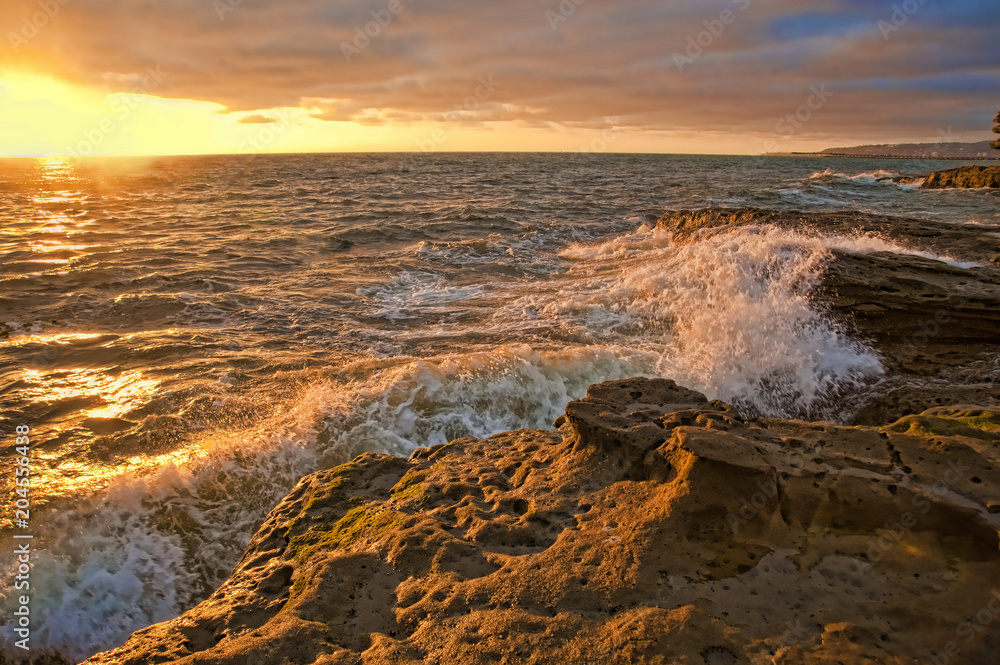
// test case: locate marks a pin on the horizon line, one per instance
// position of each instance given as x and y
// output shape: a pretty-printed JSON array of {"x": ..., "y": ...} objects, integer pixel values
[{"x": 483, "y": 152}]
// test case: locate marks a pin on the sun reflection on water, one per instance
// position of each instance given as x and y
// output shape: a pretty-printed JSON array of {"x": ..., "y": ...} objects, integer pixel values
[
  {"x": 59, "y": 203},
  {"x": 80, "y": 400}
]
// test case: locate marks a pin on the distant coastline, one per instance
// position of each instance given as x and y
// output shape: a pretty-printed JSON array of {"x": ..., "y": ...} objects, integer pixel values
[
  {"x": 862, "y": 156},
  {"x": 980, "y": 150}
]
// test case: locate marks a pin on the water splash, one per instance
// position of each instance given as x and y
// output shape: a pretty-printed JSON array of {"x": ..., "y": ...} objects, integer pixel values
[{"x": 737, "y": 312}]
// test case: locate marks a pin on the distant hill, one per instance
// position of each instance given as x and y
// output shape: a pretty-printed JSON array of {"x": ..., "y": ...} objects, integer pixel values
[{"x": 980, "y": 150}]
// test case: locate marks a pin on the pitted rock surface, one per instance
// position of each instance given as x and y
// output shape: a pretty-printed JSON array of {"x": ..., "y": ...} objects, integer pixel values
[{"x": 652, "y": 527}]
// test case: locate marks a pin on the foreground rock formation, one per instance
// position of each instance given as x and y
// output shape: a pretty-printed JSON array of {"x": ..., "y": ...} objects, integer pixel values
[
  {"x": 965, "y": 176},
  {"x": 652, "y": 527}
]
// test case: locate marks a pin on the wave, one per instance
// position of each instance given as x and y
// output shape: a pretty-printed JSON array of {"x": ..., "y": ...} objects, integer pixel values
[
  {"x": 878, "y": 177},
  {"x": 410, "y": 295},
  {"x": 743, "y": 326}
]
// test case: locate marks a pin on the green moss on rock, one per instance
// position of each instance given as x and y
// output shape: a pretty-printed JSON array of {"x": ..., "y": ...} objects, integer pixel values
[
  {"x": 982, "y": 425},
  {"x": 411, "y": 488},
  {"x": 359, "y": 523}
]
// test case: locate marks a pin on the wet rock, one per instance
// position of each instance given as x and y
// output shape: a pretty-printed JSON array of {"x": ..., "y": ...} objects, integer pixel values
[
  {"x": 921, "y": 314},
  {"x": 965, "y": 177},
  {"x": 909, "y": 400}
]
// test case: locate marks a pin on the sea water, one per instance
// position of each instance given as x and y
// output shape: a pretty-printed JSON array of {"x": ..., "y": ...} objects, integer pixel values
[{"x": 187, "y": 337}]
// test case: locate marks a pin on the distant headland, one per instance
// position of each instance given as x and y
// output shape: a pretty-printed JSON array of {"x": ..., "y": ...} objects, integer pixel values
[{"x": 938, "y": 150}]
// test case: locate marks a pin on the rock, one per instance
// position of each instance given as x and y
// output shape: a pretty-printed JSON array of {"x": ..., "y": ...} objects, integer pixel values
[
  {"x": 653, "y": 527},
  {"x": 909, "y": 400},
  {"x": 921, "y": 314},
  {"x": 686, "y": 223},
  {"x": 928, "y": 235},
  {"x": 966, "y": 177}
]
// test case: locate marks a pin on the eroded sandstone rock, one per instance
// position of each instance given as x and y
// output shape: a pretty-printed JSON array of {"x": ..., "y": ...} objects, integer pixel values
[{"x": 652, "y": 527}]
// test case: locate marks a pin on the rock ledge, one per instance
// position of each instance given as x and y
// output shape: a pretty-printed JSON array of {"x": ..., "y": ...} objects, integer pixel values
[{"x": 653, "y": 527}]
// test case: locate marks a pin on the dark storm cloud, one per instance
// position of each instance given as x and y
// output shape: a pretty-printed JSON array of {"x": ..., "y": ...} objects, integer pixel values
[{"x": 736, "y": 66}]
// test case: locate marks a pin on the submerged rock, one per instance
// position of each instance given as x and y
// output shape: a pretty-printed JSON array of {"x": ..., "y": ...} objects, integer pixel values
[
  {"x": 653, "y": 527},
  {"x": 965, "y": 177}
]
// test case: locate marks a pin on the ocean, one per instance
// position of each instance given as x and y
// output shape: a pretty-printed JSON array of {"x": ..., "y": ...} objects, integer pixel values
[{"x": 186, "y": 337}]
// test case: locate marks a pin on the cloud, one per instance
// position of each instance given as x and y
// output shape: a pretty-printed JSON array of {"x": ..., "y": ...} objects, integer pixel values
[
  {"x": 602, "y": 59},
  {"x": 256, "y": 119}
]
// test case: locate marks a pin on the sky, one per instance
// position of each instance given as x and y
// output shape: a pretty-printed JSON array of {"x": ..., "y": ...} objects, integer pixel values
[{"x": 106, "y": 77}]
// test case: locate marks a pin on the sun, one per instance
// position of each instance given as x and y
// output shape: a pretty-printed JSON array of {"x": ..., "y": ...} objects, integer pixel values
[
  {"x": 124, "y": 116},
  {"x": 46, "y": 117},
  {"x": 41, "y": 115}
]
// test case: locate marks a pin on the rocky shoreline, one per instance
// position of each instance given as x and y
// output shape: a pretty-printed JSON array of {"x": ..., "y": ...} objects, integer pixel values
[{"x": 655, "y": 526}]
